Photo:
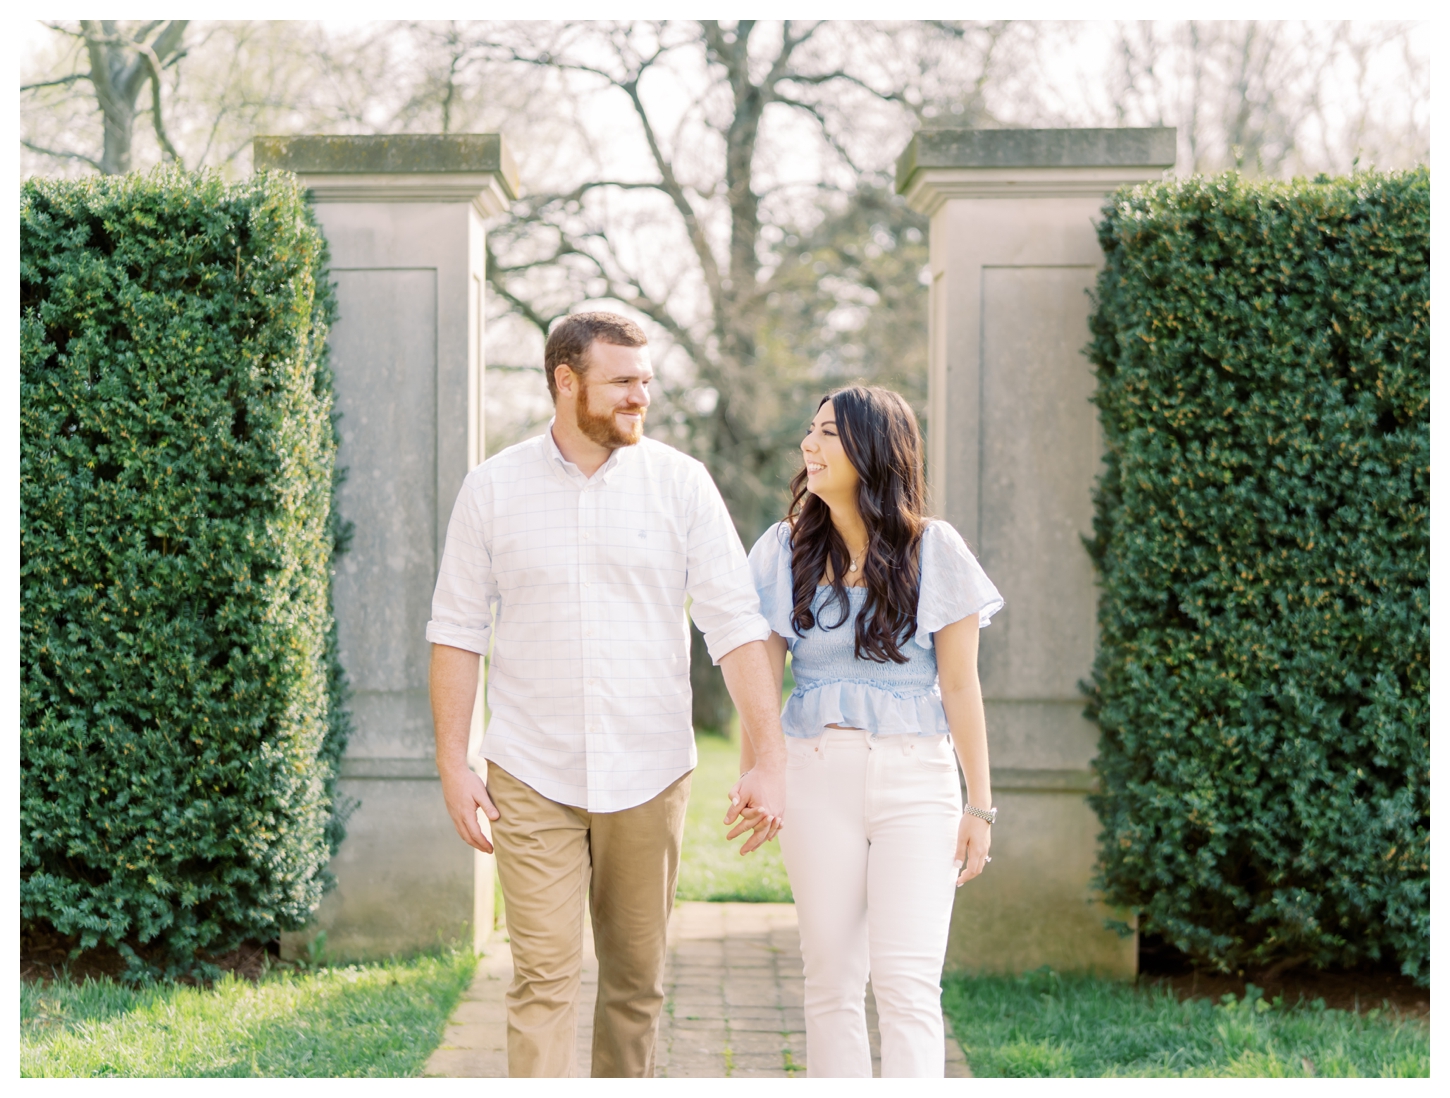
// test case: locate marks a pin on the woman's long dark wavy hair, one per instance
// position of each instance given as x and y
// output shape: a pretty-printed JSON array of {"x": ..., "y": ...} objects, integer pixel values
[{"x": 878, "y": 431}]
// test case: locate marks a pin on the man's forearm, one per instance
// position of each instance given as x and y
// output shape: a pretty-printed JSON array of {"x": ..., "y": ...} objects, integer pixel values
[
  {"x": 453, "y": 689},
  {"x": 757, "y": 802},
  {"x": 775, "y": 653},
  {"x": 752, "y": 688}
]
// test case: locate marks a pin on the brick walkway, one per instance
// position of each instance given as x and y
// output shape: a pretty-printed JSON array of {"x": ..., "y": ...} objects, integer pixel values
[{"x": 732, "y": 1002}]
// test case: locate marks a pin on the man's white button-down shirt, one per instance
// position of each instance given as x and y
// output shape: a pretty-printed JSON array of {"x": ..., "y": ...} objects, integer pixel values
[{"x": 582, "y": 583}]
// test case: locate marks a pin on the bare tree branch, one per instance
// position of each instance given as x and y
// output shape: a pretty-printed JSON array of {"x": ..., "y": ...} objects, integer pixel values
[
  {"x": 61, "y": 154},
  {"x": 66, "y": 81},
  {"x": 524, "y": 309},
  {"x": 671, "y": 186},
  {"x": 61, "y": 28},
  {"x": 815, "y": 112},
  {"x": 596, "y": 184},
  {"x": 165, "y": 43}
]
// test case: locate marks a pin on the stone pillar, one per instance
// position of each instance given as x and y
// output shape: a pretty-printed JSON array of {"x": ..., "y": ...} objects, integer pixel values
[
  {"x": 404, "y": 220},
  {"x": 1013, "y": 450}
]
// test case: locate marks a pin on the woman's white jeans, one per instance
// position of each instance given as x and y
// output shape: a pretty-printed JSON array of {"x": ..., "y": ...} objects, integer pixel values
[{"x": 869, "y": 841}]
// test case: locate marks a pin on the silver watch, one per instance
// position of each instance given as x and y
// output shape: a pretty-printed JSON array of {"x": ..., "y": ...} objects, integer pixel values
[{"x": 988, "y": 814}]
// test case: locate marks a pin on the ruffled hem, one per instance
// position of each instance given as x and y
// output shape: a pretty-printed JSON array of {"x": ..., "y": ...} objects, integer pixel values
[{"x": 858, "y": 705}]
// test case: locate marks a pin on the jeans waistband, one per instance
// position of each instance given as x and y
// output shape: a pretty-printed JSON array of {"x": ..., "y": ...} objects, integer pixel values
[{"x": 848, "y": 736}]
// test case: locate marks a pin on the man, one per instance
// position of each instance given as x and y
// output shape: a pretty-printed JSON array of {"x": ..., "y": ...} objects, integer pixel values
[{"x": 575, "y": 552}]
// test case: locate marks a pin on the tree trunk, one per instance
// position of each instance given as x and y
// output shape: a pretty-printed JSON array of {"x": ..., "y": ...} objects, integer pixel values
[
  {"x": 711, "y": 710},
  {"x": 119, "y": 122},
  {"x": 118, "y": 73}
]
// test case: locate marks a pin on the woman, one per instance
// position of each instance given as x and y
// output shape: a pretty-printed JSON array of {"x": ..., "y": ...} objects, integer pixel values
[{"x": 876, "y": 603}]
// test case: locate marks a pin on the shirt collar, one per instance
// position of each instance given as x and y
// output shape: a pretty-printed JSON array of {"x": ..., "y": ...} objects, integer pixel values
[{"x": 572, "y": 471}]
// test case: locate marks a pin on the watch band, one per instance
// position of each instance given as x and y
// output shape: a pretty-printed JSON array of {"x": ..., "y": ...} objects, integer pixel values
[{"x": 988, "y": 814}]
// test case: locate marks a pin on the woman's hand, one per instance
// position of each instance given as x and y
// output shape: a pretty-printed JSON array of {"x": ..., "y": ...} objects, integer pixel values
[{"x": 974, "y": 840}]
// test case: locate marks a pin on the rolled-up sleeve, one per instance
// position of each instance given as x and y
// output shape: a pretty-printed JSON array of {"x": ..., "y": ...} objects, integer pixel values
[
  {"x": 464, "y": 597},
  {"x": 724, "y": 603}
]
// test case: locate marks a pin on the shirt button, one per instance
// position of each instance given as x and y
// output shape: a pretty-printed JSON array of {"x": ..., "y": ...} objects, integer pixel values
[{"x": 589, "y": 632}]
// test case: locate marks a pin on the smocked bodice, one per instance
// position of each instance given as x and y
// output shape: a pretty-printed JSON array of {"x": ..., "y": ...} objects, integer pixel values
[{"x": 827, "y": 653}]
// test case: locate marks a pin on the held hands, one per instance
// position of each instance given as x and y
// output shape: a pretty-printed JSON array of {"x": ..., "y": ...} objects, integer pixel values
[
  {"x": 465, "y": 793},
  {"x": 974, "y": 840},
  {"x": 757, "y": 804}
]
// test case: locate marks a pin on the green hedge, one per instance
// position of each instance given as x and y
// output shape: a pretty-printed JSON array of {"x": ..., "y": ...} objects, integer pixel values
[
  {"x": 1262, "y": 534},
  {"x": 180, "y": 702}
]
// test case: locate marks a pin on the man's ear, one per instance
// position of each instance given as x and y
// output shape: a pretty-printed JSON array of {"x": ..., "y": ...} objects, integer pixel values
[{"x": 566, "y": 380}]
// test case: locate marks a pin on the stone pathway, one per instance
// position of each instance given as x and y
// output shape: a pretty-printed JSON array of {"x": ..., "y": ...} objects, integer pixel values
[{"x": 732, "y": 1002}]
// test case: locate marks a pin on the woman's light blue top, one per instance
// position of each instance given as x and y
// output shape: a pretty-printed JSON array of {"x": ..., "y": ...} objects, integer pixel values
[{"x": 831, "y": 685}]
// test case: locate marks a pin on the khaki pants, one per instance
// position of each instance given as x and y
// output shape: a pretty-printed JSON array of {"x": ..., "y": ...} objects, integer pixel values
[{"x": 551, "y": 857}]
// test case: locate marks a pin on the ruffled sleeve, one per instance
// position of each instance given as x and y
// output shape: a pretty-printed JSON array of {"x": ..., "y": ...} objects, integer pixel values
[
  {"x": 953, "y": 585},
  {"x": 770, "y": 569}
]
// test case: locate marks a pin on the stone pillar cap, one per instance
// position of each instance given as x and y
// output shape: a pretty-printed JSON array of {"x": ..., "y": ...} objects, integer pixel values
[
  {"x": 942, "y": 163},
  {"x": 434, "y": 167}
]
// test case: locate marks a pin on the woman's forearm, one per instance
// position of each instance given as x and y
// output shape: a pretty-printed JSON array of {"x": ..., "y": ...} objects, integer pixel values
[
  {"x": 968, "y": 723},
  {"x": 961, "y": 697}
]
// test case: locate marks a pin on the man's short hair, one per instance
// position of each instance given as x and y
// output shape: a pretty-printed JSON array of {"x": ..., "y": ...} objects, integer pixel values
[{"x": 568, "y": 344}]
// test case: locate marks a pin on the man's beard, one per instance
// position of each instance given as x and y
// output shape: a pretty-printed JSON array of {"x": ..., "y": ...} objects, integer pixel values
[{"x": 602, "y": 428}]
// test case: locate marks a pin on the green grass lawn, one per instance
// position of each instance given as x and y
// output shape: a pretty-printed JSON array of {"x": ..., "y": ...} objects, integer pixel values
[
  {"x": 1043, "y": 1024},
  {"x": 710, "y": 867},
  {"x": 359, "y": 1020}
]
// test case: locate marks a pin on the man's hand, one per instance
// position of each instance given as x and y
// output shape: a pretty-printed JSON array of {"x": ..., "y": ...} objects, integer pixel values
[
  {"x": 465, "y": 793},
  {"x": 974, "y": 839},
  {"x": 453, "y": 688},
  {"x": 757, "y": 804}
]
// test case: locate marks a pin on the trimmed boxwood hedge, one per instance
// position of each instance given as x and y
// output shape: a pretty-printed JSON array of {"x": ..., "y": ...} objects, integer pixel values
[
  {"x": 1262, "y": 535},
  {"x": 181, "y": 717}
]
